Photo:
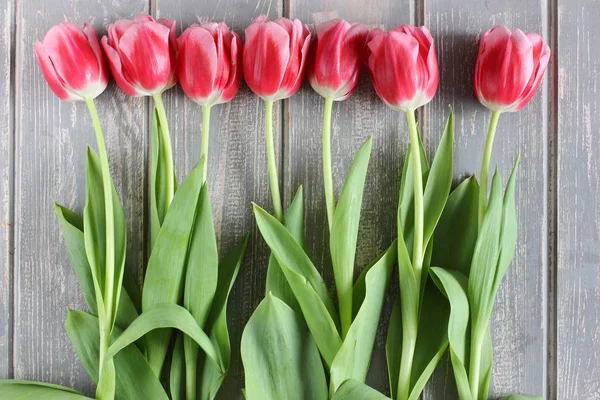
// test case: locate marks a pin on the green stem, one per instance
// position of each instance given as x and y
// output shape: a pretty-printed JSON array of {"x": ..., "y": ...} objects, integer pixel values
[
  {"x": 168, "y": 152},
  {"x": 106, "y": 389},
  {"x": 485, "y": 164},
  {"x": 327, "y": 173},
  {"x": 415, "y": 156},
  {"x": 410, "y": 322},
  {"x": 409, "y": 341},
  {"x": 475, "y": 362},
  {"x": 191, "y": 368},
  {"x": 205, "y": 137},
  {"x": 273, "y": 180}
]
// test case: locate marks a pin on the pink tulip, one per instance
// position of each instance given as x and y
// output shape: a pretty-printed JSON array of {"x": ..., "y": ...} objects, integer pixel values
[
  {"x": 275, "y": 55},
  {"x": 403, "y": 66},
  {"x": 72, "y": 62},
  {"x": 209, "y": 63},
  {"x": 336, "y": 58},
  {"x": 510, "y": 67},
  {"x": 142, "y": 54}
]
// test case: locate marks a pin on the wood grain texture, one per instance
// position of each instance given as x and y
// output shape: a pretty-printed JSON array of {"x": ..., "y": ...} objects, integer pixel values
[
  {"x": 237, "y": 163},
  {"x": 518, "y": 320},
  {"x": 578, "y": 278},
  {"x": 51, "y": 139},
  {"x": 6, "y": 158},
  {"x": 353, "y": 120}
]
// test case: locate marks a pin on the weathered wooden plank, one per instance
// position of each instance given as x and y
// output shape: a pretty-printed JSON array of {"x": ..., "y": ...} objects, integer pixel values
[
  {"x": 518, "y": 320},
  {"x": 237, "y": 164},
  {"x": 51, "y": 138},
  {"x": 6, "y": 173},
  {"x": 578, "y": 187},
  {"x": 353, "y": 120}
]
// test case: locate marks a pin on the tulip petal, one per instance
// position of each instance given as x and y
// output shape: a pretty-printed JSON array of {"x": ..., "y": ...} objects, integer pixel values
[
  {"x": 170, "y": 23},
  {"x": 50, "y": 74},
  {"x": 541, "y": 58},
  {"x": 266, "y": 55},
  {"x": 95, "y": 45},
  {"x": 72, "y": 57},
  {"x": 145, "y": 54},
  {"x": 303, "y": 55},
  {"x": 197, "y": 64},
  {"x": 116, "y": 68},
  {"x": 235, "y": 76}
]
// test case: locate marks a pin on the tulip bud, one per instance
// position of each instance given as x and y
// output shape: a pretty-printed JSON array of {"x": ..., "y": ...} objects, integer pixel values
[
  {"x": 209, "y": 63},
  {"x": 336, "y": 58},
  {"x": 72, "y": 62},
  {"x": 403, "y": 66},
  {"x": 509, "y": 69},
  {"x": 275, "y": 55},
  {"x": 141, "y": 54}
]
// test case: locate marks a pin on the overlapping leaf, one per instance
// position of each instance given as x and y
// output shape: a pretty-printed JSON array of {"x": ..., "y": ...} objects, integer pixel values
[
  {"x": 306, "y": 283},
  {"x": 353, "y": 358},
  {"x": 27, "y": 390},
  {"x": 96, "y": 238},
  {"x": 276, "y": 281},
  {"x": 134, "y": 379},
  {"x": 211, "y": 376},
  {"x": 344, "y": 232},
  {"x": 353, "y": 390},
  {"x": 281, "y": 360},
  {"x": 166, "y": 268}
]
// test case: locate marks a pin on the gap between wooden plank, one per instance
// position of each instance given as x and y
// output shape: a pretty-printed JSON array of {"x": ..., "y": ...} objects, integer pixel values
[
  {"x": 11, "y": 190},
  {"x": 552, "y": 162}
]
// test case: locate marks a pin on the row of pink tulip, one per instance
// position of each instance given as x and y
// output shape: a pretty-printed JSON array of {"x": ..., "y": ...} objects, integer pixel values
[{"x": 146, "y": 58}]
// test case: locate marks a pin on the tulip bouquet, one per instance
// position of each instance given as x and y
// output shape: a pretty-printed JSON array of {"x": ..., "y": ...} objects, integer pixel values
[
  {"x": 298, "y": 320},
  {"x": 170, "y": 339},
  {"x": 122, "y": 342}
]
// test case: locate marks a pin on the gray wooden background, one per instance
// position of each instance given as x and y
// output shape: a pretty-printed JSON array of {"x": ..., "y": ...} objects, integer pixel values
[{"x": 546, "y": 322}]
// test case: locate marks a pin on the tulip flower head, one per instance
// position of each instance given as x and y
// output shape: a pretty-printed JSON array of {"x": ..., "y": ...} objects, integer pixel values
[
  {"x": 72, "y": 62},
  {"x": 403, "y": 66},
  {"x": 275, "y": 54},
  {"x": 336, "y": 58},
  {"x": 509, "y": 69},
  {"x": 142, "y": 54},
  {"x": 209, "y": 63}
]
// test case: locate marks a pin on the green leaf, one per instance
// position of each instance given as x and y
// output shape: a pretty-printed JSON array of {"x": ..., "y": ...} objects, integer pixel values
[
  {"x": 72, "y": 227},
  {"x": 166, "y": 315},
  {"x": 485, "y": 374},
  {"x": 521, "y": 397},
  {"x": 508, "y": 235},
  {"x": 456, "y": 232},
  {"x": 453, "y": 284},
  {"x": 202, "y": 269},
  {"x": 27, "y": 390},
  {"x": 393, "y": 346},
  {"x": 439, "y": 181},
  {"x": 132, "y": 290},
  {"x": 166, "y": 267},
  {"x": 485, "y": 258},
  {"x": 212, "y": 378},
  {"x": 95, "y": 235},
  {"x": 344, "y": 232},
  {"x": 407, "y": 194},
  {"x": 134, "y": 378},
  {"x": 432, "y": 339},
  {"x": 276, "y": 281},
  {"x": 177, "y": 374},
  {"x": 158, "y": 180},
  {"x": 353, "y": 390},
  {"x": 306, "y": 283},
  {"x": 279, "y": 355},
  {"x": 353, "y": 358}
]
